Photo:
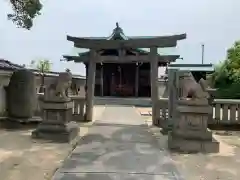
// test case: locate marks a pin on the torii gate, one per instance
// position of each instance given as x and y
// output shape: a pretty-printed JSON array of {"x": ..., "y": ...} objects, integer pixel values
[{"x": 99, "y": 44}]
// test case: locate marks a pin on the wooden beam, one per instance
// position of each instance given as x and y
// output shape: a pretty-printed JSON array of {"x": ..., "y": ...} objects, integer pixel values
[
  {"x": 124, "y": 59},
  {"x": 115, "y": 44},
  {"x": 161, "y": 41}
]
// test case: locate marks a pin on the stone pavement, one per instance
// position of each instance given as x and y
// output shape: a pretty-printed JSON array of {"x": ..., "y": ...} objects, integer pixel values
[{"x": 118, "y": 146}]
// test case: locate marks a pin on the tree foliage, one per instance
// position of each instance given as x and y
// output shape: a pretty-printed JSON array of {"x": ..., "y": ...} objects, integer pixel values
[
  {"x": 43, "y": 65},
  {"x": 24, "y": 11},
  {"x": 227, "y": 74}
]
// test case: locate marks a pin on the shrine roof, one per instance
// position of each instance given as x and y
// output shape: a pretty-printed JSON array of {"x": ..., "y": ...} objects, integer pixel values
[
  {"x": 162, "y": 59},
  {"x": 118, "y": 34},
  {"x": 116, "y": 40},
  {"x": 127, "y": 37},
  {"x": 192, "y": 67},
  {"x": 7, "y": 65}
]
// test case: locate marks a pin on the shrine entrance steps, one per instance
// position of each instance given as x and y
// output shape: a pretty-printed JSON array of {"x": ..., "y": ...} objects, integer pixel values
[
  {"x": 118, "y": 146},
  {"x": 131, "y": 101}
]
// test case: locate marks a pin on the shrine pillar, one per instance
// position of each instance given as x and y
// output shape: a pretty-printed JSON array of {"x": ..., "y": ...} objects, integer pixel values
[
  {"x": 101, "y": 79},
  {"x": 154, "y": 84},
  {"x": 137, "y": 80},
  {"x": 90, "y": 85}
]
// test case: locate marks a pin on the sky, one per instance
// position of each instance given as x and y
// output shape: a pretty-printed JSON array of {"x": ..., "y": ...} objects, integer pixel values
[{"x": 214, "y": 23}]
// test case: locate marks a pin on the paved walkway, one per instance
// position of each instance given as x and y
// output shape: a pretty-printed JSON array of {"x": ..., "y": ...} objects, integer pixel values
[{"x": 118, "y": 147}]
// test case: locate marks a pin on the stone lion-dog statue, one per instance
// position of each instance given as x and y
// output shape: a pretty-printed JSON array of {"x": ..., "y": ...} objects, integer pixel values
[
  {"x": 59, "y": 89},
  {"x": 192, "y": 89}
]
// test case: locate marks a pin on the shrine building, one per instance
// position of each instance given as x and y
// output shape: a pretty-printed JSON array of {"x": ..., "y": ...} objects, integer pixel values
[{"x": 117, "y": 72}]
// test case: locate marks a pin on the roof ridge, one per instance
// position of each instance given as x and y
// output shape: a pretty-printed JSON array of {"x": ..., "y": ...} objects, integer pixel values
[
  {"x": 9, "y": 65},
  {"x": 117, "y": 33}
]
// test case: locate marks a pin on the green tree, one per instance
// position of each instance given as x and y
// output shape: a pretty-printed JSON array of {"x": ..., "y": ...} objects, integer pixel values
[
  {"x": 42, "y": 66},
  {"x": 24, "y": 11},
  {"x": 227, "y": 74}
]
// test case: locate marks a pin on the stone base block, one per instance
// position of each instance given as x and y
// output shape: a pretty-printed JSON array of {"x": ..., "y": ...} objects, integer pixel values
[
  {"x": 87, "y": 120},
  {"x": 57, "y": 105},
  {"x": 192, "y": 146},
  {"x": 166, "y": 126},
  {"x": 78, "y": 118},
  {"x": 24, "y": 120},
  {"x": 57, "y": 133},
  {"x": 158, "y": 122},
  {"x": 165, "y": 130},
  {"x": 191, "y": 134}
]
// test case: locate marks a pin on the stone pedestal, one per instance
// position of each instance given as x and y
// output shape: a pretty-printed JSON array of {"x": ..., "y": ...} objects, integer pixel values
[
  {"x": 57, "y": 124},
  {"x": 190, "y": 133}
]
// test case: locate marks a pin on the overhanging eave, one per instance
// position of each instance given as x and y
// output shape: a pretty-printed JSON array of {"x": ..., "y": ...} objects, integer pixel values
[
  {"x": 160, "y": 41},
  {"x": 124, "y": 59}
]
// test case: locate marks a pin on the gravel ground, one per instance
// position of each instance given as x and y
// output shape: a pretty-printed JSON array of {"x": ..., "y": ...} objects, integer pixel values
[
  {"x": 22, "y": 157},
  {"x": 224, "y": 165}
]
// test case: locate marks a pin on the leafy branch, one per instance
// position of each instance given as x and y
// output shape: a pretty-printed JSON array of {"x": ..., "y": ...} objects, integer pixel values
[{"x": 24, "y": 11}]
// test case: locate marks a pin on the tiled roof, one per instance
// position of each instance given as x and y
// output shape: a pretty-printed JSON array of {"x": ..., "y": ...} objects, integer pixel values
[
  {"x": 7, "y": 65},
  {"x": 193, "y": 67},
  {"x": 51, "y": 73}
]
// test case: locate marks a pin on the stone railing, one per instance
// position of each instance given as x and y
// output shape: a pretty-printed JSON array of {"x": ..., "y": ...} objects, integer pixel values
[
  {"x": 162, "y": 105},
  {"x": 225, "y": 111},
  {"x": 78, "y": 107}
]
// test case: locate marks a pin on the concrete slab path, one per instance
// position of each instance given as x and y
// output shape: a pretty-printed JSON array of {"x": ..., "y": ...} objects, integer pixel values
[{"x": 118, "y": 146}]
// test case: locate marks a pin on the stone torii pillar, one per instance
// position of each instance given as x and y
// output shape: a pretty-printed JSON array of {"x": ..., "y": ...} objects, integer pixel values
[
  {"x": 154, "y": 84},
  {"x": 90, "y": 85}
]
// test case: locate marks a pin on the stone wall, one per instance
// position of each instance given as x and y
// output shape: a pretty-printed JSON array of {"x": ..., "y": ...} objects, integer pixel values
[{"x": 5, "y": 78}]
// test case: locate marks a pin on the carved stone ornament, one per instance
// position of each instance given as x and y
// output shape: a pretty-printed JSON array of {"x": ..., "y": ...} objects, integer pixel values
[{"x": 58, "y": 90}]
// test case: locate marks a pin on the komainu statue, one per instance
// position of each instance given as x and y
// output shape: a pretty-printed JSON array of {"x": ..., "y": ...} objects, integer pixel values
[
  {"x": 57, "y": 124},
  {"x": 191, "y": 89},
  {"x": 190, "y": 133},
  {"x": 58, "y": 90},
  {"x": 198, "y": 91}
]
